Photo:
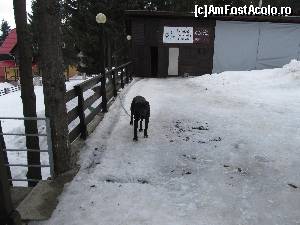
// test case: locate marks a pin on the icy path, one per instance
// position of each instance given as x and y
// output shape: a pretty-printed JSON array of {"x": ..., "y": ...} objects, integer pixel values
[{"x": 221, "y": 151}]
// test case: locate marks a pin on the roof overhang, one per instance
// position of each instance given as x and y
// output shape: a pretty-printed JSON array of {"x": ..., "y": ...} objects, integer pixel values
[{"x": 178, "y": 15}]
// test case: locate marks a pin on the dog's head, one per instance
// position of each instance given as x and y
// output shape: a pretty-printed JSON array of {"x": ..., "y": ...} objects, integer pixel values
[{"x": 143, "y": 109}]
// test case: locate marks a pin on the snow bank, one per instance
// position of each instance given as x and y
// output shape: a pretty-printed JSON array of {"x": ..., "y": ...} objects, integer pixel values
[
  {"x": 5, "y": 85},
  {"x": 293, "y": 69}
]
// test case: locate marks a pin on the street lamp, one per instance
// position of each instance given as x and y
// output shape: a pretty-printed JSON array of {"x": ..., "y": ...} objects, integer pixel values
[
  {"x": 128, "y": 37},
  {"x": 101, "y": 20},
  {"x": 128, "y": 57}
]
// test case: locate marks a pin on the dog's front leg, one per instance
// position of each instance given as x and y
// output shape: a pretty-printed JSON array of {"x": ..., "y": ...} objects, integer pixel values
[
  {"x": 136, "y": 124},
  {"x": 131, "y": 118},
  {"x": 141, "y": 126},
  {"x": 146, "y": 127}
]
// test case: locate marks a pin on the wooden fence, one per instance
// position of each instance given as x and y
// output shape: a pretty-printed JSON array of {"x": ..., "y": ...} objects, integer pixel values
[
  {"x": 115, "y": 79},
  {"x": 6, "y": 91}
]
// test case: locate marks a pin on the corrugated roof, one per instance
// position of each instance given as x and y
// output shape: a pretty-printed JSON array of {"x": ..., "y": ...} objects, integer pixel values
[{"x": 9, "y": 43}]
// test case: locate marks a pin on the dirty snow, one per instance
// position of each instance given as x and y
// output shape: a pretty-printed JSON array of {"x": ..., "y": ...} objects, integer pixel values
[{"x": 223, "y": 149}]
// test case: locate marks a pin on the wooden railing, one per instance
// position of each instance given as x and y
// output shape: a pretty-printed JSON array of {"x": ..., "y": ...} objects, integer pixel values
[
  {"x": 115, "y": 79},
  {"x": 6, "y": 91}
]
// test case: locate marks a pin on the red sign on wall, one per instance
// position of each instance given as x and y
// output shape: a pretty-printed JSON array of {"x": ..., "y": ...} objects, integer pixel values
[{"x": 201, "y": 35}]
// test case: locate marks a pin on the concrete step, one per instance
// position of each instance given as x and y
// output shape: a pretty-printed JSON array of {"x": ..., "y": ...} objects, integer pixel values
[
  {"x": 18, "y": 194},
  {"x": 40, "y": 203}
]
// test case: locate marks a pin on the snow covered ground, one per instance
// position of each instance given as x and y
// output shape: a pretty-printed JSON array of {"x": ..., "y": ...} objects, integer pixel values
[
  {"x": 223, "y": 149},
  {"x": 11, "y": 106},
  {"x": 5, "y": 85}
]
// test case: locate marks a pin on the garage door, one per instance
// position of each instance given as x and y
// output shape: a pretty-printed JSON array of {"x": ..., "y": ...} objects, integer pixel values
[
  {"x": 253, "y": 45},
  {"x": 279, "y": 43},
  {"x": 235, "y": 46}
]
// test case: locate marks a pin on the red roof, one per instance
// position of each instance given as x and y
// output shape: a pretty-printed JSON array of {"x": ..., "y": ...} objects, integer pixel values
[{"x": 9, "y": 43}]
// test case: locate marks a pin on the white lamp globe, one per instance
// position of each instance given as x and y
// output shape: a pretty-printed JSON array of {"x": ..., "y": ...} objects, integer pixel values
[
  {"x": 129, "y": 37},
  {"x": 101, "y": 18}
]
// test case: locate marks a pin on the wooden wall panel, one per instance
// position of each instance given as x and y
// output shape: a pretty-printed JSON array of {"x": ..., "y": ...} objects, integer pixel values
[
  {"x": 147, "y": 32},
  {"x": 163, "y": 61},
  {"x": 147, "y": 62},
  {"x": 138, "y": 60},
  {"x": 138, "y": 32},
  {"x": 152, "y": 31}
]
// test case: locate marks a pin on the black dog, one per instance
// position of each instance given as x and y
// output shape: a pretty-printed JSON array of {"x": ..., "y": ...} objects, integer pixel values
[{"x": 140, "y": 110}]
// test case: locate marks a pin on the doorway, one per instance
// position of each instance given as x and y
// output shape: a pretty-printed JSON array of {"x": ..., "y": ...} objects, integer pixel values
[
  {"x": 154, "y": 61},
  {"x": 173, "y": 61}
]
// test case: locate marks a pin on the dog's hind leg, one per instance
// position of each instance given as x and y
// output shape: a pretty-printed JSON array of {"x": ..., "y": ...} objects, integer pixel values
[
  {"x": 146, "y": 127},
  {"x": 141, "y": 126},
  {"x": 136, "y": 124}
]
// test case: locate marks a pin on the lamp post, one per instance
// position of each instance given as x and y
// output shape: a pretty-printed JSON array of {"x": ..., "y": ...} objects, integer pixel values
[
  {"x": 129, "y": 56},
  {"x": 101, "y": 20},
  {"x": 81, "y": 56}
]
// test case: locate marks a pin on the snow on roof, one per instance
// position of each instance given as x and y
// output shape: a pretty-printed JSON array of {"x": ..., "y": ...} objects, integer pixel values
[{"x": 9, "y": 43}]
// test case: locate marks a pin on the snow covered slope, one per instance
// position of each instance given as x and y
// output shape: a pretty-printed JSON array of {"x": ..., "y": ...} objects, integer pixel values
[{"x": 223, "y": 149}]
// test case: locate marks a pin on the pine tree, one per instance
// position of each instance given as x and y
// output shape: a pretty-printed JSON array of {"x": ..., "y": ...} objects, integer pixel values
[
  {"x": 33, "y": 27},
  {"x": 69, "y": 49},
  {"x": 85, "y": 30},
  {"x": 5, "y": 28}
]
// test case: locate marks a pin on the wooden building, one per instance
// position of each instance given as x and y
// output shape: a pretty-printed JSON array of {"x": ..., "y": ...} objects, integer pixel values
[
  {"x": 8, "y": 53},
  {"x": 171, "y": 44}
]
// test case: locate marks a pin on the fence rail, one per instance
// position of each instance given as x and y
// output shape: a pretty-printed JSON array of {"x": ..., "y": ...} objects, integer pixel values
[
  {"x": 49, "y": 143},
  {"x": 114, "y": 80}
]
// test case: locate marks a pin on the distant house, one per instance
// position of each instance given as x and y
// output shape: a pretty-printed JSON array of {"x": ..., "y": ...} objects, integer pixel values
[
  {"x": 8, "y": 54},
  {"x": 173, "y": 43},
  {"x": 9, "y": 44},
  {"x": 9, "y": 60}
]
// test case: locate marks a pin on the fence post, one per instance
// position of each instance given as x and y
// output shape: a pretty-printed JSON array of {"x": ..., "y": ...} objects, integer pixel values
[
  {"x": 115, "y": 91},
  {"x": 8, "y": 215},
  {"x": 5, "y": 74},
  {"x": 103, "y": 93},
  {"x": 122, "y": 78},
  {"x": 83, "y": 127},
  {"x": 130, "y": 70},
  {"x": 50, "y": 150},
  {"x": 3, "y": 146}
]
